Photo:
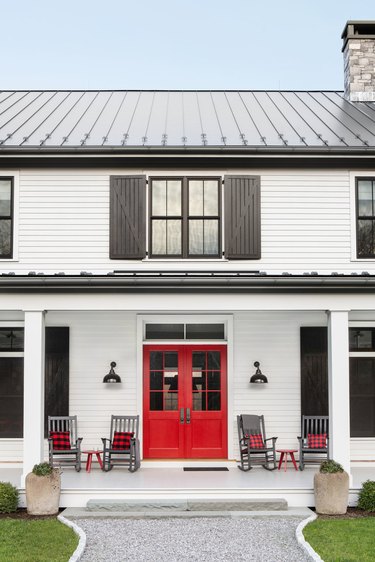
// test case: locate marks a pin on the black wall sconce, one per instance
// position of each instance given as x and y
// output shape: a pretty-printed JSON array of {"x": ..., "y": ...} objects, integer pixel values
[
  {"x": 258, "y": 376},
  {"x": 112, "y": 376}
]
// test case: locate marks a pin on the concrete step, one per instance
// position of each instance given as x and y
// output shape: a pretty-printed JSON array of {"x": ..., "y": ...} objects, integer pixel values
[
  {"x": 154, "y": 505},
  {"x": 76, "y": 513}
]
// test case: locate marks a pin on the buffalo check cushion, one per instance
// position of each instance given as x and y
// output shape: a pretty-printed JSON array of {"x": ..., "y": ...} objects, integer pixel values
[
  {"x": 121, "y": 439},
  {"x": 255, "y": 440},
  {"x": 60, "y": 440},
  {"x": 317, "y": 441}
]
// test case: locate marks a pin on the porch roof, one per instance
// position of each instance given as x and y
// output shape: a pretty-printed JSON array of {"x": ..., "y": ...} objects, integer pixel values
[
  {"x": 128, "y": 121},
  {"x": 188, "y": 281}
]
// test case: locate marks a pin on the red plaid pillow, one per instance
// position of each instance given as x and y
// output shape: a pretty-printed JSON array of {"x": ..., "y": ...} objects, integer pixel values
[
  {"x": 60, "y": 440},
  {"x": 256, "y": 441},
  {"x": 121, "y": 439},
  {"x": 317, "y": 441}
]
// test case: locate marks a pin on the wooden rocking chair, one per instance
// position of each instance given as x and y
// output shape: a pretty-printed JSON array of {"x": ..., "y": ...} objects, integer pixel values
[
  {"x": 255, "y": 448},
  {"x": 63, "y": 444},
  {"x": 122, "y": 447},
  {"x": 314, "y": 440}
]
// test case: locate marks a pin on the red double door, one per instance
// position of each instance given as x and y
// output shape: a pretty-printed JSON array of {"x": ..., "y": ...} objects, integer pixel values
[{"x": 185, "y": 401}]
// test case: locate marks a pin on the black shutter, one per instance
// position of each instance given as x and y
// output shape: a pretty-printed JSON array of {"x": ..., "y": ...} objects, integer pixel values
[
  {"x": 127, "y": 217},
  {"x": 56, "y": 385},
  {"x": 314, "y": 371},
  {"x": 242, "y": 217}
]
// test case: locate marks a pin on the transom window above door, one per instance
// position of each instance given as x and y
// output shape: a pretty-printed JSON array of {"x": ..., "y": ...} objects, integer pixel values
[{"x": 185, "y": 217}]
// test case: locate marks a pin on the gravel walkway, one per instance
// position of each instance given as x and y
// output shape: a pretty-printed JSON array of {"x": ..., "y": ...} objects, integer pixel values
[{"x": 196, "y": 539}]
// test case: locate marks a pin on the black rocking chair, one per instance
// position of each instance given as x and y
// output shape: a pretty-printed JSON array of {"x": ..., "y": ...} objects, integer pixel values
[
  {"x": 264, "y": 455},
  {"x": 315, "y": 426},
  {"x": 64, "y": 457},
  {"x": 129, "y": 455}
]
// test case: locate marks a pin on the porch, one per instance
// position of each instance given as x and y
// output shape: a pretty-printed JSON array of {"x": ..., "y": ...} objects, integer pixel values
[{"x": 168, "y": 481}]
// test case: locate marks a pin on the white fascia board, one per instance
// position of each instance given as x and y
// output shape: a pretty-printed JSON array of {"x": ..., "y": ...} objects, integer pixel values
[{"x": 189, "y": 302}]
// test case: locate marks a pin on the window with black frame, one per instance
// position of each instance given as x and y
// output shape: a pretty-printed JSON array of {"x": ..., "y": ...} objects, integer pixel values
[
  {"x": 6, "y": 217},
  {"x": 362, "y": 381},
  {"x": 11, "y": 382},
  {"x": 185, "y": 217},
  {"x": 365, "y": 194}
]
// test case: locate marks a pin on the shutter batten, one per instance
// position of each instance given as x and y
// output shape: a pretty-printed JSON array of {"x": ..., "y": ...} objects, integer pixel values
[
  {"x": 127, "y": 217},
  {"x": 242, "y": 217}
]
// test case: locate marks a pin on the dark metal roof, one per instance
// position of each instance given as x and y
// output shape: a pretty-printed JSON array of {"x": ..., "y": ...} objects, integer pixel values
[
  {"x": 125, "y": 120},
  {"x": 189, "y": 282}
]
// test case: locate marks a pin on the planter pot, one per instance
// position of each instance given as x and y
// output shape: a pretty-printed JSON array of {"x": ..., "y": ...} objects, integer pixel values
[
  {"x": 43, "y": 493},
  {"x": 331, "y": 493}
]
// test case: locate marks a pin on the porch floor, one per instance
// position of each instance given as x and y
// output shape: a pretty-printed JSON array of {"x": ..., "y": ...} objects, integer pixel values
[{"x": 171, "y": 482}]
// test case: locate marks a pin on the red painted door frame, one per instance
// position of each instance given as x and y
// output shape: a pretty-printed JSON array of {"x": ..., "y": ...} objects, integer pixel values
[{"x": 168, "y": 433}]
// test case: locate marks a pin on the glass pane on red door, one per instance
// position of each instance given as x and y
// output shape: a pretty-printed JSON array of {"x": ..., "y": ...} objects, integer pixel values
[
  {"x": 206, "y": 380},
  {"x": 163, "y": 380}
]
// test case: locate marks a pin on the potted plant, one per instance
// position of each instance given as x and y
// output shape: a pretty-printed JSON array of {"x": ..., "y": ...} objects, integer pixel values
[
  {"x": 331, "y": 489},
  {"x": 43, "y": 487}
]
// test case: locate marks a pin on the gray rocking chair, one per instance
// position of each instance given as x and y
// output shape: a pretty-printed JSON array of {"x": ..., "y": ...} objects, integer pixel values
[
  {"x": 122, "y": 457},
  {"x": 64, "y": 457},
  {"x": 265, "y": 456},
  {"x": 313, "y": 425}
]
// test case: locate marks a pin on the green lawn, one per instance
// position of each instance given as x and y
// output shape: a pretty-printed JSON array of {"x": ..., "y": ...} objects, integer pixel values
[
  {"x": 343, "y": 540},
  {"x": 38, "y": 540}
]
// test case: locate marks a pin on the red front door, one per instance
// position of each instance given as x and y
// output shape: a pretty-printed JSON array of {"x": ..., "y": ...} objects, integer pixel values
[{"x": 184, "y": 401}]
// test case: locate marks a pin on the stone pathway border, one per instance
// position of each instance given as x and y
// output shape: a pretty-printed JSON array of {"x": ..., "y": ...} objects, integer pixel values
[
  {"x": 78, "y": 553},
  {"x": 303, "y": 542}
]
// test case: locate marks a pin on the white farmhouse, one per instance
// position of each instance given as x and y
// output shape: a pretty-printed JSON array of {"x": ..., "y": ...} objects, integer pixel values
[{"x": 186, "y": 235}]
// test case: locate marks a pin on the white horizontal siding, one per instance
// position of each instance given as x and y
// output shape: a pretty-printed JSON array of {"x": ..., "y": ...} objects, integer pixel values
[
  {"x": 64, "y": 223},
  {"x": 11, "y": 450},
  {"x": 362, "y": 449},
  {"x": 273, "y": 338}
]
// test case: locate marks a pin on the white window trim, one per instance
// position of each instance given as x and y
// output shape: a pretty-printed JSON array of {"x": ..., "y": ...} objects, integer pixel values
[
  {"x": 16, "y": 207},
  {"x": 353, "y": 218}
]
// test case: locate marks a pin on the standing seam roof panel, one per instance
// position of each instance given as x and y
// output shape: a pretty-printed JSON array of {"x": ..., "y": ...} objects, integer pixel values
[{"x": 110, "y": 118}]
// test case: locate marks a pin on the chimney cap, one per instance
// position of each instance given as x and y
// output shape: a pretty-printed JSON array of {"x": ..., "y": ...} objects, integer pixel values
[{"x": 358, "y": 29}]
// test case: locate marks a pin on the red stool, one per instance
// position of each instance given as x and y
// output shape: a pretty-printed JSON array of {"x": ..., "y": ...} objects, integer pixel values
[
  {"x": 284, "y": 456},
  {"x": 89, "y": 458}
]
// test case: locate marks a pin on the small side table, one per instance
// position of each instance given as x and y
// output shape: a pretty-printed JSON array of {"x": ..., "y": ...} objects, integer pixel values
[
  {"x": 90, "y": 454},
  {"x": 284, "y": 456}
]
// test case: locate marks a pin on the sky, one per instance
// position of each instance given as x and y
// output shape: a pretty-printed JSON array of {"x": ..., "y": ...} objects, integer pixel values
[{"x": 175, "y": 44}]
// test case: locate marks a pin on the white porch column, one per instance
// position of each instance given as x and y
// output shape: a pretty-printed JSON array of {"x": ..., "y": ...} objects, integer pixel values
[
  {"x": 338, "y": 383},
  {"x": 33, "y": 401}
]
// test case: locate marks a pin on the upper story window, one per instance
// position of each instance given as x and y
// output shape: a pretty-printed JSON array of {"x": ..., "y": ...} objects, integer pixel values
[
  {"x": 184, "y": 217},
  {"x": 365, "y": 195},
  {"x": 6, "y": 217}
]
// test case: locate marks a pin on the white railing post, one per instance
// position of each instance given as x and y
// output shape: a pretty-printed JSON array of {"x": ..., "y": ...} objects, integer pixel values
[
  {"x": 33, "y": 402},
  {"x": 339, "y": 387}
]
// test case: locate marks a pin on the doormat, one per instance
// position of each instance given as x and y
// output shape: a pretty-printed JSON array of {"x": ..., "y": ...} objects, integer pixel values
[{"x": 206, "y": 469}]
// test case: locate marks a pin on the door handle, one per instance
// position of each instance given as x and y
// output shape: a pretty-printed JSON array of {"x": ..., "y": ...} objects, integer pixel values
[
  {"x": 187, "y": 415},
  {"x": 182, "y": 415}
]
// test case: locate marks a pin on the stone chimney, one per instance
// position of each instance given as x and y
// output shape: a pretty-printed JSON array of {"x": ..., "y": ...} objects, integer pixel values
[{"x": 359, "y": 60}]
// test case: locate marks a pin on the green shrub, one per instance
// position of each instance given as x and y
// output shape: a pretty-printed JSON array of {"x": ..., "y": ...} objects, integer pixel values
[
  {"x": 330, "y": 467},
  {"x": 42, "y": 469},
  {"x": 366, "y": 498},
  {"x": 8, "y": 497}
]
